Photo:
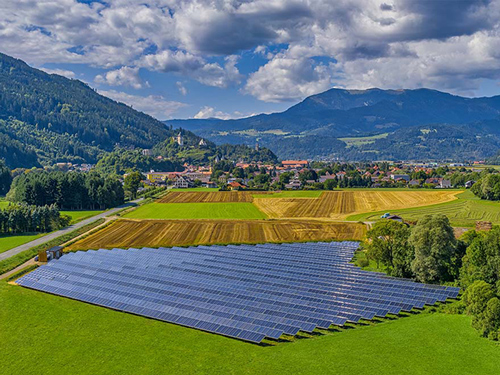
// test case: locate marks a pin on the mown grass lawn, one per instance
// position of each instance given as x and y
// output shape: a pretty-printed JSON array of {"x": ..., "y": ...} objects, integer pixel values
[
  {"x": 45, "y": 334},
  {"x": 196, "y": 211},
  {"x": 77, "y": 216},
  {"x": 10, "y": 241},
  {"x": 462, "y": 212}
]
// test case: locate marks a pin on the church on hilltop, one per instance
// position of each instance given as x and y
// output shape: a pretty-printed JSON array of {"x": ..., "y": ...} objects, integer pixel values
[{"x": 179, "y": 139}]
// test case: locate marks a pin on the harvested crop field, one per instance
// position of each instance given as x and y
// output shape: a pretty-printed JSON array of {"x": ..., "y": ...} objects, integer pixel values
[
  {"x": 207, "y": 197},
  {"x": 340, "y": 204},
  {"x": 156, "y": 233}
]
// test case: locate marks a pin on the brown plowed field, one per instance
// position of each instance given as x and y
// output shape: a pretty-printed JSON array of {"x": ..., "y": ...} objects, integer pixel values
[
  {"x": 156, "y": 233},
  {"x": 206, "y": 197},
  {"x": 340, "y": 204}
]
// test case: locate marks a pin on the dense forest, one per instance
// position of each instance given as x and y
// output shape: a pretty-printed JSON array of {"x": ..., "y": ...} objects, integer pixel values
[
  {"x": 122, "y": 161},
  {"x": 72, "y": 190},
  {"x": 32, "y": 147},
  {"x": 49, "y": 118},
  {"x": 23, "y": 218},
  {"x": 193, "y": 152}
]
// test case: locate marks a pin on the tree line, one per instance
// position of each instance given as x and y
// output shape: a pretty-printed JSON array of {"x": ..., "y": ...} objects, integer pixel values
[
  {"x": 430, "y": 253},
  {"x": 71, "y": 190},
  {"x": 23, "y": 218}
]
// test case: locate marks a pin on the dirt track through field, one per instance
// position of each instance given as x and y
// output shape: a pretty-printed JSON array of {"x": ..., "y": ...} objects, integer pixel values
[
  {"x": 206, "y": 197},
  {"x": 156, "y": 233},
  {"x": 340, "y": 204}
]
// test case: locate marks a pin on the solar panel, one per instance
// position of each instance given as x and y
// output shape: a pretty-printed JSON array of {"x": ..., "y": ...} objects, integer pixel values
[{"x": 248, "y": 292}]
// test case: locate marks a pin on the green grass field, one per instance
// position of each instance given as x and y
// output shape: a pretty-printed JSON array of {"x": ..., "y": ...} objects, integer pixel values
[
  {"x": 77, "y": 216},
  {"x": 10, "y": 241},
  {"x": 45, "y": 334},
  {"x": 463, "y": 212},
  {"x": 196, "y": 211}
]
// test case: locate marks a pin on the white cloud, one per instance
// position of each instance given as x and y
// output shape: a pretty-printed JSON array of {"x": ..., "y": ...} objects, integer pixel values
[
  {"x": 284, "y": 79},
  {"x": 210, "y": 112},
  {"x": 401, "y": 43},
  {"x": 156, "y": 106},
  {"x": 210, "y": 74},
  {"x": 124, "y": 76},
  {"x": 182, "y": 89},
  {"x": 61, "y": 72}
]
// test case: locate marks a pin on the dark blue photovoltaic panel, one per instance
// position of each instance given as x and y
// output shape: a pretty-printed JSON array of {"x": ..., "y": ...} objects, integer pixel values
[{"x": 248, "y": 292}]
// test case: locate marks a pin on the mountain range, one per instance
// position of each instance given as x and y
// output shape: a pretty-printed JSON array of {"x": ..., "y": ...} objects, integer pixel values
[{"x": 368, "y": 124}]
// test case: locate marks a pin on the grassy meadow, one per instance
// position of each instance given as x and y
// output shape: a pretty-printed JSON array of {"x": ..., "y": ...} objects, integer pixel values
[
  {"x": 10, "y": 241},
  {"x": 77, "y": 216},
  {"x": 86, "y": 339},
  {"x": 462, "y": 212},
  {"x": 230, "y": 211}
]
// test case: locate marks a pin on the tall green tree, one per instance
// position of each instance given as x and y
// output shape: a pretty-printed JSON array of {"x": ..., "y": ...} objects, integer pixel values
[
  {"x": 132, "y": 183},
  {"x": 387, "y": 243},
  {"x": 435, "y": 247},
  {"x": 482, "y": 258}
]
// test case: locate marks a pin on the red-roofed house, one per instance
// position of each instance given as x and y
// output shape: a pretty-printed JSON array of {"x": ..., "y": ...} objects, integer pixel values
[{"x": 291, "y": 164}]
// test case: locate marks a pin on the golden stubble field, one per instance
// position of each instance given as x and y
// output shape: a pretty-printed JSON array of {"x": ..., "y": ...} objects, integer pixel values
[
  {"x": 208, "y": 197},
  {"x": 340, "y": 204},
  {"x": 156, "y": 233}
]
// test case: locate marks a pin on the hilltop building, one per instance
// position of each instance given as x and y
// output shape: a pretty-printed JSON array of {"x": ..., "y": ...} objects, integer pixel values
[{"x": 179, "y": 140}]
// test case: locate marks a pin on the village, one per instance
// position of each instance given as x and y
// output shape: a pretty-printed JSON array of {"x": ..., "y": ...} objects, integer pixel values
[{"x": 303, "y": 175}]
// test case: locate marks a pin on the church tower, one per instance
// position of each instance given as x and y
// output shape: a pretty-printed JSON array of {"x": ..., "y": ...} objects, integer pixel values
[{"x": 180, "y": 140}]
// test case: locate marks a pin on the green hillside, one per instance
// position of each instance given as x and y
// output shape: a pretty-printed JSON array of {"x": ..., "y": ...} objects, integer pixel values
[{"x": 62, "y": 119}]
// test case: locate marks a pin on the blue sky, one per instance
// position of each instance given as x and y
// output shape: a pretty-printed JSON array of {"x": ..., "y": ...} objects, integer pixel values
[{"x": 234, "y": 58}]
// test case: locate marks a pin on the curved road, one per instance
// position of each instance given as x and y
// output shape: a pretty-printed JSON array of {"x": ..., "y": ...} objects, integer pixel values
[{"x": 52, "y": 235}]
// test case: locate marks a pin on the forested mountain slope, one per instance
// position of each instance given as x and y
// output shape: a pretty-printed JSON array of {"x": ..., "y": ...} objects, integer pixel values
[{"x": 61, "y": 119}]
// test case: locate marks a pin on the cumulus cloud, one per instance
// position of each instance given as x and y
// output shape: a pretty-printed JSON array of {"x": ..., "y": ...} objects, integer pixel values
[
  {"x": 154, "y": 105},
  {"x": 285, "y": 78},
  {"x": 61, "y": 72},
  {"x": 124, "y": 76},
  {"x": 210, "y": 74},
  {"x": 309, "y": 45},
  {"x": 210, "y": 112}
]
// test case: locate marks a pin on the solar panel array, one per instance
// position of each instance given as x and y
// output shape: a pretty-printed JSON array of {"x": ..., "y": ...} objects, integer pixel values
[{"x": 248, "y": 292}]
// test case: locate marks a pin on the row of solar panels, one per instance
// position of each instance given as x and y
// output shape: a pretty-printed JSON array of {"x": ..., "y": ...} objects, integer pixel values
[{"x": 248, "y": 292}]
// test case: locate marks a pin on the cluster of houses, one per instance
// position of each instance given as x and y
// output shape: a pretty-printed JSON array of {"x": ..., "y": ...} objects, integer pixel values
[
  {"x": 202, "y": 176},
  {"x": 182, "y": 180}
]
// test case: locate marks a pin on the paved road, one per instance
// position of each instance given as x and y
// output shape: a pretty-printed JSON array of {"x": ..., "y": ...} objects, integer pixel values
[{"x": 51, "y": 236}]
